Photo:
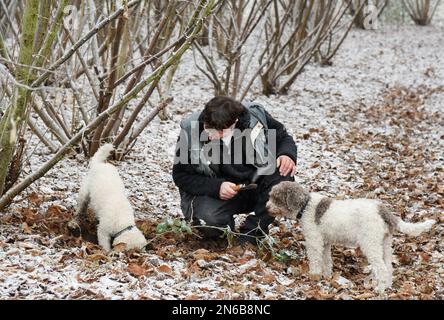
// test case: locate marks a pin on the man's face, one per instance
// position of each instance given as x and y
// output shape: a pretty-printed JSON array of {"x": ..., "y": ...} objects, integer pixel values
[{"x": 214, "y": 134}]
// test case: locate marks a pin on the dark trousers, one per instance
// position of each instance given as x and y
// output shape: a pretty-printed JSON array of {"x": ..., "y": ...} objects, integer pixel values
[{"x": 219, "y": 213}]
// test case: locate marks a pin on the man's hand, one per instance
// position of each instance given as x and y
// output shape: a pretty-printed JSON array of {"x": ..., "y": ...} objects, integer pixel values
[
  {"x": 227, "y": 191},
  {"x": 286, "y": 166}
]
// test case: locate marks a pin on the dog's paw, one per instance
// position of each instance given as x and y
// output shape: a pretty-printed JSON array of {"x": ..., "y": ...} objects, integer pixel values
[
  {"x": 381, "y": 287},
  {"x": 327, "y": 275},
  {"x": 380, "y": 291},
  {"x": 74, "y": 228}
]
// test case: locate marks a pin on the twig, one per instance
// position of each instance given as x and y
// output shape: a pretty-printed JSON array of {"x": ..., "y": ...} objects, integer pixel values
[{"x": 81, "y": 42}]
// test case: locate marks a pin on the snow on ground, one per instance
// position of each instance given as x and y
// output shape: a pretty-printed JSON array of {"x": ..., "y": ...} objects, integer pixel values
[{"x": 370, "y": 125}]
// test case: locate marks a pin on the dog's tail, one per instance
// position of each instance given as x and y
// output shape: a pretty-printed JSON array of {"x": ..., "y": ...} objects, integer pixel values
[
  {"x": 102, "y": 154},
  {"x": 414, "y": 229}
]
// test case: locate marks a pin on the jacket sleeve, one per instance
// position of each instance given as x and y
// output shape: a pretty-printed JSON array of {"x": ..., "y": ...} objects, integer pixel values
[
  {"x": 187, "y": 179},
  {"x": 285, "y": 144}
]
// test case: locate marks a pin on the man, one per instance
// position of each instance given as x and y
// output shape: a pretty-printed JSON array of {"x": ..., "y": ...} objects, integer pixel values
[{"x": 244, "y": 142}]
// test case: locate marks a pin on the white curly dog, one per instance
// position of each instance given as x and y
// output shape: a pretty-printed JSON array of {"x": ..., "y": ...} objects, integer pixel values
[
  {"x": 103, "y": 190},
  {"x": 365, "y": 223}
]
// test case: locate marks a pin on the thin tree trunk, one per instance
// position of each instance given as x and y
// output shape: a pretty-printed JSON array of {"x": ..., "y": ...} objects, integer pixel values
[{"x": 10, "y": 124}]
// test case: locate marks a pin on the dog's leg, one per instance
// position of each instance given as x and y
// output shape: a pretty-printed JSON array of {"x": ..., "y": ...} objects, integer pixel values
[
  {"x": 82, "y": 206},
  {"x": 315, "y": 251},
  {"x": 104, "y": 239},
  {"x": 327, "y": 261},
  {"x": 375, "y": 256},
  {"x": 83, "y": 201},
  {"x": 388, "y": 257}
]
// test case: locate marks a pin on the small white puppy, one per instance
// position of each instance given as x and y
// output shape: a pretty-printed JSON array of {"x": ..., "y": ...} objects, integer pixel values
[
  {"x": 104, "y": 191},
  {"x": 360, "y": 222}
]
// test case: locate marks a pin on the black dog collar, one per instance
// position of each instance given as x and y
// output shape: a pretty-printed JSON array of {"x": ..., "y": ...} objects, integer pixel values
[
  {"x": 303, "y": 207},
  {"x": 113, "y": 237}
]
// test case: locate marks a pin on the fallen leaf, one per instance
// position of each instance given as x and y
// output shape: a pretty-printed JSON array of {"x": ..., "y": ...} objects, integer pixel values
[
  {"x": 165, "y": 269},
  {"x": 97, "y": 257},
  {"x": 425, "y": 257},
  {"x": 202, "y": 254},
  {"x": 137, "y": 270},
  {"x": 54, "y": 211},
  {"x": 34, "y": 198},
  {"x": 85, "y": 280},
  {"x": 269, "y": 278},
  {"x": 405, "y": 259},
  {"x": 120, "y": 247},
  {"x": 25, "y": 228},
  {"x": 364, "y": 296}
]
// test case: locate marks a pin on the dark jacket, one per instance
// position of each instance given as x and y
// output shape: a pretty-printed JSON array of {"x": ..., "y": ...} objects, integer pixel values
[{"x": 188, "y": 180}]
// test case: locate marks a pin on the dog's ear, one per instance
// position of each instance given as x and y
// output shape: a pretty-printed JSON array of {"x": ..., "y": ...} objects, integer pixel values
[
  {"x": 295, "y": 198},
  {"x": 291, "y": 200}
]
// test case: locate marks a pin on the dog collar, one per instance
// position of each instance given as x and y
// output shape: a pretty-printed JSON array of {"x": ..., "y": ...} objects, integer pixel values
[
  {"x": 114, "y": 237},
  {"x": 303, "y": 207}
]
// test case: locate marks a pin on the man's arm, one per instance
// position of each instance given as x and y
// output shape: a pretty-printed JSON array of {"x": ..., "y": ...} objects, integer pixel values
[
  {"x": 187, "y": 179},
  {"x": 195, "y": 184},
  {"x": 285, "y": 145}
]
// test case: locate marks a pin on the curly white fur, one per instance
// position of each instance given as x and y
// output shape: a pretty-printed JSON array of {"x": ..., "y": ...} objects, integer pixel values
[
  {"x": 104, "y": 191},
  {"x": 355, "y": 222}
]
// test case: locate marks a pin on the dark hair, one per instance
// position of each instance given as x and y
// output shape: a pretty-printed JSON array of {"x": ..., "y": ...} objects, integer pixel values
[{"x": 221, "y": 112}]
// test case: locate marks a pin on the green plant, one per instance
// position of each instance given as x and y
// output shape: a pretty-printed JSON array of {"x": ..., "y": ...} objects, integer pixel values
[
  {"x": 173, "y": 225},
  {"x": 285, "y": 256}
]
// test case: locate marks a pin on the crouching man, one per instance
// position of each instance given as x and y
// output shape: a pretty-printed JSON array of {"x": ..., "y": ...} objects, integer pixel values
[{"x": 222, "y": 147}]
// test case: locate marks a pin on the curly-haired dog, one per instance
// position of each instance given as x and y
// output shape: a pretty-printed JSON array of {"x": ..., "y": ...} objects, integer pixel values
[
  {"x": 104, "y": 191},
  {"x": 360, "y": 222}
]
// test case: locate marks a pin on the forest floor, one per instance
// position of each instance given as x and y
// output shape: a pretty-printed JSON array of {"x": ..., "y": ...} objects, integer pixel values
[{"x": 371, "y": 125}]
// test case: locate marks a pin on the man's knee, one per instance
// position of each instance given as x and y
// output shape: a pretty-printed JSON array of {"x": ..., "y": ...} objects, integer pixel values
[{"x": 211, "y": 217}]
